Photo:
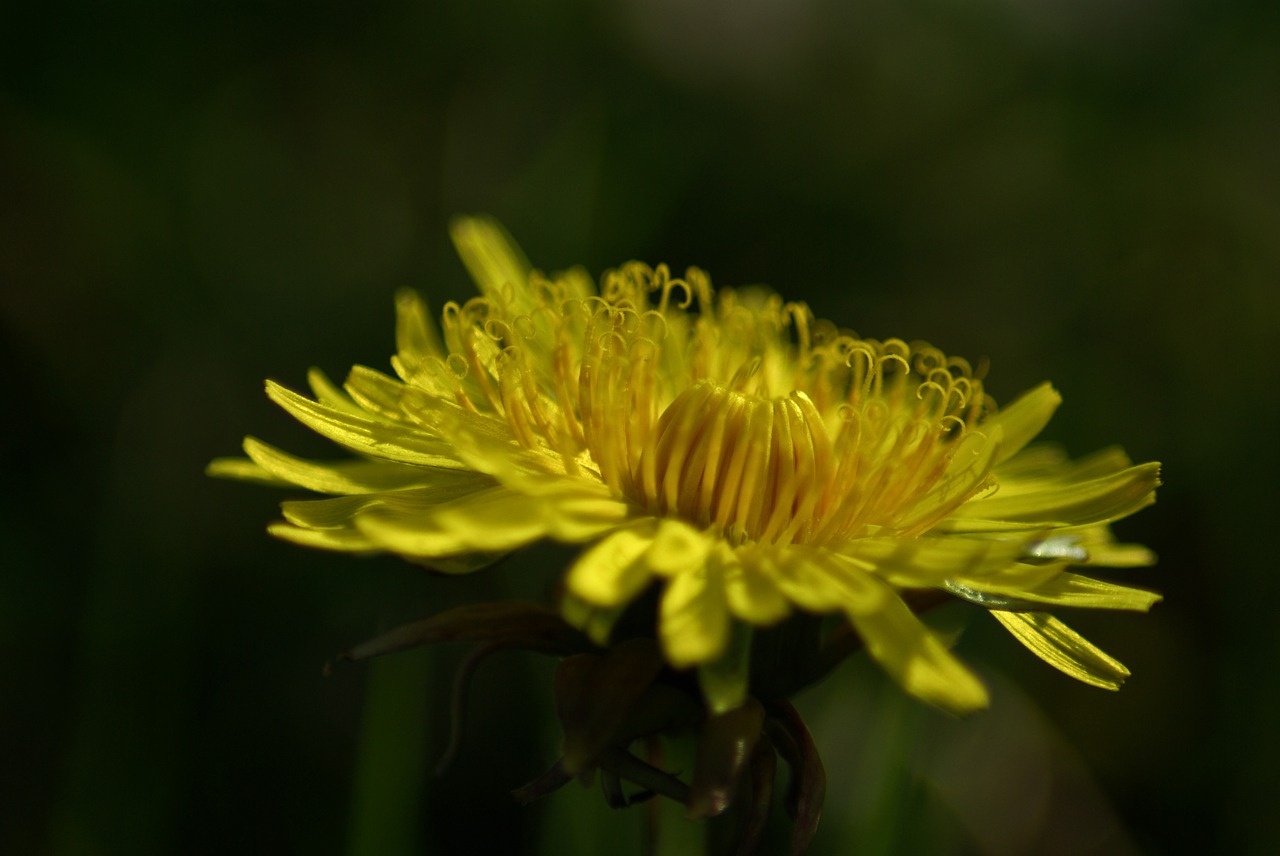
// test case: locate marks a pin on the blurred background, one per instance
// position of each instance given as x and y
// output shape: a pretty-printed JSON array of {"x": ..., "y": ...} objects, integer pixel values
[{"x": 197, "y": 196}]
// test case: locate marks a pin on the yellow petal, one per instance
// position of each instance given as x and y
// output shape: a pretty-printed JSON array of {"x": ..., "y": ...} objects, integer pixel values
[
  {"x": 377, "y": 393},
  {"x": 353, "y": 476},
  {"x": 1099, "y": 500},
  {"x": 330, "y": 394},
  {"x": 341, "y": 540},
  {"x": 1103, "y": 462},
  {"x": 494, "y": 520},
  {"x": 363, "y": 434},
  {"x": 752, "y": 594},
  {"x": 241, "y": 469},
  {"x": 1120, "y": 556},
  {"x": 800, "y": 574},
  {"x": 1025, "y": 418},
  {"x": 483, "y": 443},
  {"x": 577, "y": 283},
  {"x": 911, "y": 653},
  {"x": 342, "y": 511},
  {"x": 1063, "y": 648},
  {"x": 957, "y": 525},
  {"x": 494, "y": 261},
  {"x": 1103, "y": 551},
  {"x": 1067, "y": 589},
  {"x": 490, "y": 520},
  {"x": 966, "y": 474},
  {"x": 928, "y": 561},
  {"x": 336, "y": 513},
  {"x": 613, "y": 571},
  {"x": 694, "y": 618},
  {"x": 1034, "y": 461},
  {"x": 678, "y": 549},
  {"x": 575, "y": 517},
  {"x": 1033, "y": 469},
  {"x": 417, "y": 338}
]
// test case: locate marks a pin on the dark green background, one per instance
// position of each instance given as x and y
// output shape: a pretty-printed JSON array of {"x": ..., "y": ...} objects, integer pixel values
[{"x": 196, "y": 196}]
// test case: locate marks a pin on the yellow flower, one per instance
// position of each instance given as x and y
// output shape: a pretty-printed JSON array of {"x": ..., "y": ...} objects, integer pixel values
[{"x": 727, "y": 447}]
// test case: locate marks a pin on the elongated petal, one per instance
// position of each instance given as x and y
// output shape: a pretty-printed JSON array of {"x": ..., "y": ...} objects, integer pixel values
[
  {"x": 801, "y": 575},
  {"x": 491, "y": 520},
  {"x": 694, "y": 618},
  {"x": 351, "y": 476},
  {"x": 417, "y": 338},
  {"x": 1024, "y": 419},
  {"x": 1103, "y": 462},
  {"x": 1034, "y": 469},
  {"x": 575, "y": 518},
  {"x": 918, "y": 660},
  {"x": 335, "y": 513},
  {"x": 928, "y": 561},
  {"x": 1113, "y": 555},
  {"x": 966, "y": 474},
  {"x": 495, "y": 520},
  {"x": 1068, "y": 589},
  {"x": 1094, "y": 501},
  {"x": 678, "y": 549},
  {"x": 377, "y": 393},
  {"x": 1064, "y": 649},
  {"x": 957, "y": 525},
  {"x": 911, "y": 653},
  {"x": 340, "y": 540},
  {"x": 1103, "y": 551},
  {"x": 341, "y": 511},
  {"x": 752, "y": 593},
  {"x": 241, "y": 469},
  {"x": 365, "y": 435},
  {"x": 494, "y": 262},
  {"x": 483, "y": 443},
  {"x": 613, "y": 571},
  {"x": 1035, "y": 461},
  {"x": 329, "y": 394}
]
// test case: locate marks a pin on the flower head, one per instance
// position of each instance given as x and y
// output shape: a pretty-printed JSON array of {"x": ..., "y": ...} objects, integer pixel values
[{"x": 725, "y": 449}]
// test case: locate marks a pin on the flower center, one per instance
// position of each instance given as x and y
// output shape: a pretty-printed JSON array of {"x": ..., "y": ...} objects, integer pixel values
[
  {"x": 752, "y": 468},
  {"x": 777, "y": 471},
  {"x": 684, "y": 414}
]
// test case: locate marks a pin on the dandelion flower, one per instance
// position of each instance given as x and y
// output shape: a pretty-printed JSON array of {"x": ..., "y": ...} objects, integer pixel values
[{"x": 721, "y": 448}]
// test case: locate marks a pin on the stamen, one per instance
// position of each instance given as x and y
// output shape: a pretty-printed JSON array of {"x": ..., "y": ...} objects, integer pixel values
[{"x": 737, "y": 413}]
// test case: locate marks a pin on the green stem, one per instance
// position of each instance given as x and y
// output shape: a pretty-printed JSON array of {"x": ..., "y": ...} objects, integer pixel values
[{"x": 390, "y": 778}]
